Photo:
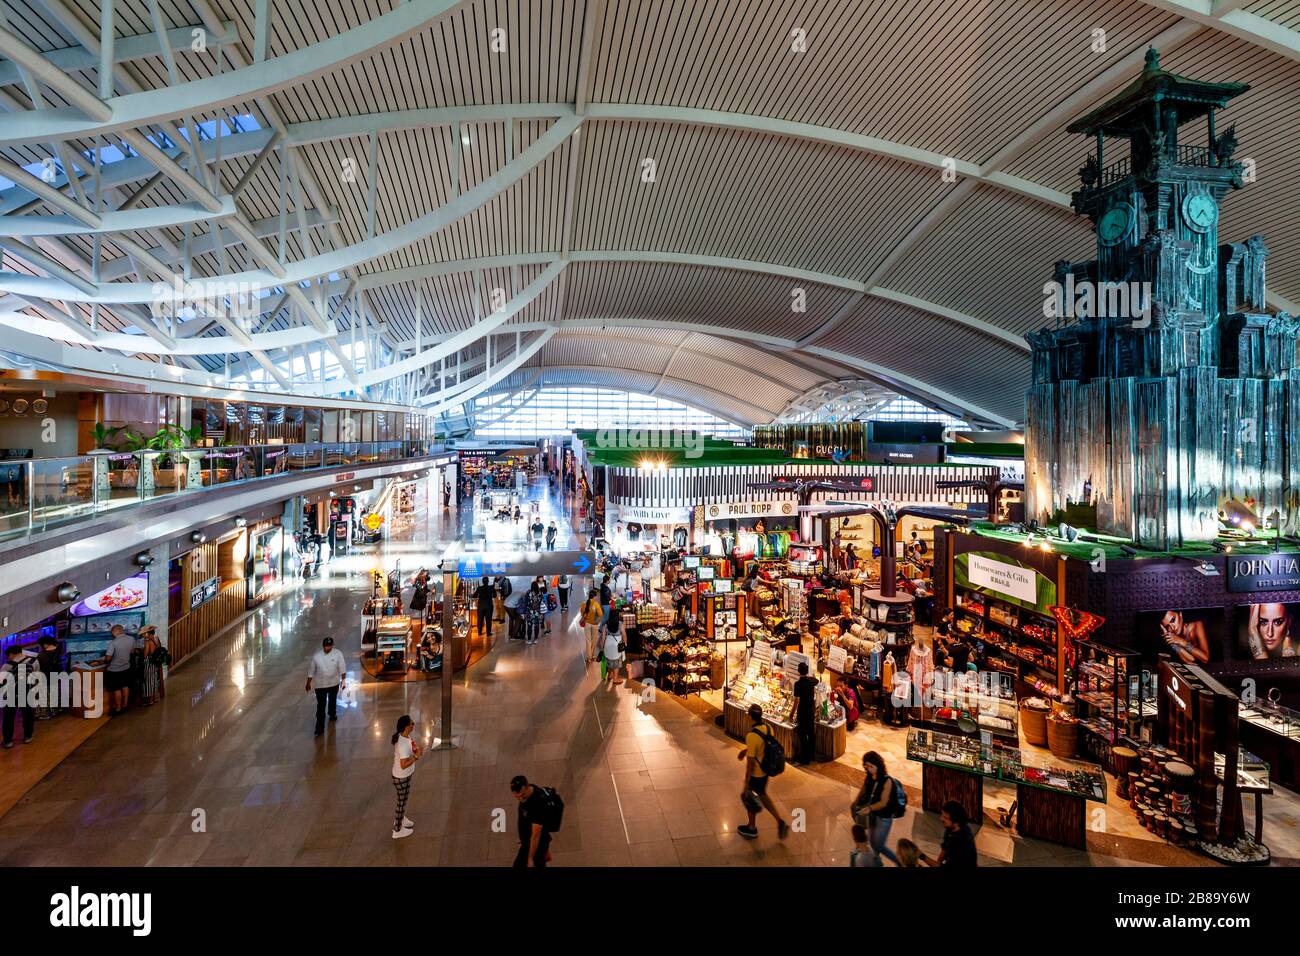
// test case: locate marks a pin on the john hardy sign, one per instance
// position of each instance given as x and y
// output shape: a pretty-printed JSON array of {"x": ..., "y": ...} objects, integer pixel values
[{"x": 1267, "y": 572}]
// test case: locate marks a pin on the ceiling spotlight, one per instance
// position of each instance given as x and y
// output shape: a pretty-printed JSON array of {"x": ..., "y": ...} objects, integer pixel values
[
  {"x": 1129, "y": 550},
  {"x": 198, "y": 537},
  {"x": 241, "y": 521},
  {"x": 67, "y": 593},
  {"x": 143, "y": 559}
]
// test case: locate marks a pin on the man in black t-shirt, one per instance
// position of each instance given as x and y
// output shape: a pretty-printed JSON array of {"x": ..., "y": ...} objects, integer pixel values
[
  {"x": 534, "y": 838},
  {"x": 958, "y": 849},
  {"x": 805, "y": 712}
]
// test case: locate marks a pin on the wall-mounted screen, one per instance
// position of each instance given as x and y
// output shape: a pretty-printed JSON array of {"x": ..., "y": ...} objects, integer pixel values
[{"x": 123, "y": 596}]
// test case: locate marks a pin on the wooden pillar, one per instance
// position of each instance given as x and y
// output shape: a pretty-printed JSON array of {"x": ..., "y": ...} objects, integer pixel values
[{"x": 1207, "y": 789}]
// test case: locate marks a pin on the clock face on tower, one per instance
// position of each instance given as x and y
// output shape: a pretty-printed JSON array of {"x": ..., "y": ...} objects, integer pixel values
[
  {"x": 1199, "y": 212},
  {"x": 1115, "y": 224}
]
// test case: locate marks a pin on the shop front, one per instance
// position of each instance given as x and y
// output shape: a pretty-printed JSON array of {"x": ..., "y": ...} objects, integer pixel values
[{"x": 266, "y": 562}]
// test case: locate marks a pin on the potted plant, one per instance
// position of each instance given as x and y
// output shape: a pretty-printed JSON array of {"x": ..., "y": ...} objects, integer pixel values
[{"x": 103, "y": 438}]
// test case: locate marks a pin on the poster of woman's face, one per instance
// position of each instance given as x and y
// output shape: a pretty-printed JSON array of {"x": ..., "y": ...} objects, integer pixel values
[
  {"x": 1269, "y": 631},
  {"x": 1191, "y": 635}
]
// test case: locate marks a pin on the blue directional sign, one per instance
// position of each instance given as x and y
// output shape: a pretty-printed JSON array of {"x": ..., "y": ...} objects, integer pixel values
[{"x": 477, "y": 564}]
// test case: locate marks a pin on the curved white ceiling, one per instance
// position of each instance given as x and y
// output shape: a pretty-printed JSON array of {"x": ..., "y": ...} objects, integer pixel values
[{"x": 679, "y": 184}]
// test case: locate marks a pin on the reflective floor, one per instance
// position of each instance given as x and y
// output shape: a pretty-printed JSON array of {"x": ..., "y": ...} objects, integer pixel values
[{"x": 225, "y": 770}]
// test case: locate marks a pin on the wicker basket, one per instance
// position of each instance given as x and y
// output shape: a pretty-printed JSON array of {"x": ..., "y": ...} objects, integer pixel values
[
  {"x": 1063, "y": 738},
  {"x": 1033, "y": 722}
]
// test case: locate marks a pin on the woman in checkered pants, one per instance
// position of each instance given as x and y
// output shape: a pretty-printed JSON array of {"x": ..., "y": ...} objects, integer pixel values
[{"x": 405, "y": 753}]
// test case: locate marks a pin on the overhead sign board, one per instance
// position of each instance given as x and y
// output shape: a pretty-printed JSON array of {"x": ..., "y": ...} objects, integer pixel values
[
  {"x": 781, "y": 508},
  {"x": 477, "y": 564},
  {"x": 1264, "y": 572}
]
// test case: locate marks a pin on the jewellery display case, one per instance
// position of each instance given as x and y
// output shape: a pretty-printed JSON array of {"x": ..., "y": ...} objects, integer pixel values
[{"x": 1050, "y": 791}]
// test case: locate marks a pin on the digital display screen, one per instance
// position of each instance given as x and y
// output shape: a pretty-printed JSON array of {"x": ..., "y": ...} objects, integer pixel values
[{"x": 124, "y": 596}]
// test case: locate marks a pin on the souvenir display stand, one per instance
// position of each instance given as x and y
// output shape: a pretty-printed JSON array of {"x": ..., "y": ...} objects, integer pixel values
[{"x": 769, "y": 684}]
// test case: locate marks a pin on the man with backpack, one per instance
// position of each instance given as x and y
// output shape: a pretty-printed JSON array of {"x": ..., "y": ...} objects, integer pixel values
[
  {"x": 541, "y": 812},
  {"x": 764, "y": 758}
]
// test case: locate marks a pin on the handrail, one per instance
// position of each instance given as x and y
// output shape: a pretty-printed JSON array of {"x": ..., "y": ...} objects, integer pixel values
[{"x": 41, "y": 493}]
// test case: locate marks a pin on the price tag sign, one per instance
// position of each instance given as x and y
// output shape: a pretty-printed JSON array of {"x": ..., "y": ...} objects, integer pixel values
[
  {"x": 838, "y": 660},
  {"x": 792, "y": 661},
  {"x": 763, "y": 651}
]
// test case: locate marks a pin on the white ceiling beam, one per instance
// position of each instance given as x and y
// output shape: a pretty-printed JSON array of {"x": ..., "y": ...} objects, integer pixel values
[
  {"x": 467, "y": 337},
  {"x": 339, "y": 260},
  {"x": 203, "y": 95},
  {"x": 131, "y": 220},
  {"x": 442, "y": 400},
  {"x": 138, "y": 46},
  {"x": 1260, "y": 31}
]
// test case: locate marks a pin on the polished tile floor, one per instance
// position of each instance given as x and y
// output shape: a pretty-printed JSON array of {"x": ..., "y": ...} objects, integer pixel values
[{"x": 225, "y": 771}]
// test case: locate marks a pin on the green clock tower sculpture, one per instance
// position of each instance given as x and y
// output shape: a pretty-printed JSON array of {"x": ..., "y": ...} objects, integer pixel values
[{"x": 1165, "y": 386}]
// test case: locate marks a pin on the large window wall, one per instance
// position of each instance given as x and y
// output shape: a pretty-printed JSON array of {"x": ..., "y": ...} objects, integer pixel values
[{"x": 553, "y": 411}]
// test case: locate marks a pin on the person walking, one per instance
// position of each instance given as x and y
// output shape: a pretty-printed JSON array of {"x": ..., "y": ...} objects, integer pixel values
[
  {"x": 537, "y": 529},
  {"x": 327, "y": 675},
  {"x": 562, "y": 587},
  {"x": 958, "y": 849},
  {"x": 877, "y": 805},
  {"x": 647, "y": 577},
  {"x": 446, "y": 496},
  {"x": 591, "y": 615},
  {"x": 759, "y": 755},
  {"x": 19, "y": 669},
  {"x": 805, "y": 695},
  {"x": 484, "y": 597},
  {"x": 405, "y": 753},
  {"x": 531, "y": 608},
  {"x": 614, "y": 649},
  {"x": 117, "y": 669},
  {"x": 536, "y": 822},
  {"x": 551, "y": 532}
]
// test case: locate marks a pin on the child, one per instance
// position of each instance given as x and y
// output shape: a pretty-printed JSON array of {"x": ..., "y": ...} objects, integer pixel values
[
  {"x": 862, "y": 854},
  {"x": 909, "y": 854}
]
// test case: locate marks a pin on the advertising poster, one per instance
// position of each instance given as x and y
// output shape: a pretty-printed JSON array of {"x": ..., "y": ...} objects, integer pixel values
[
  {"x": 1192, "y": 635},
  {"x": 1268, "y": 632}
]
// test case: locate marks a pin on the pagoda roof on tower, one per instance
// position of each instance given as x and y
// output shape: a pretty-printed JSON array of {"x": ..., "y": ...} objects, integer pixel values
[{"x": 1129, "y": 110}]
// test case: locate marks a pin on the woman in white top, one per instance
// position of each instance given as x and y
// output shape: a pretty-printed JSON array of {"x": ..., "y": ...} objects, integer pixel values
[{"x": 405, "y": 753}]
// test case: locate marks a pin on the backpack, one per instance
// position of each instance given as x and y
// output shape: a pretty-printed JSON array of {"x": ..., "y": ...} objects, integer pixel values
[
  {"x": 898, "y": 805},
  {"x": 554, "y": 810},
  {"x": 773, "y": 762}
]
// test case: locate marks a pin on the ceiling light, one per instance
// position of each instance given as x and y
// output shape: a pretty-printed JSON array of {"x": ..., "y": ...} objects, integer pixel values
[
  {"x": 198, "y": 537},
  {"x": 67, "y": 592},
  {"x": 143, "y": 559}
]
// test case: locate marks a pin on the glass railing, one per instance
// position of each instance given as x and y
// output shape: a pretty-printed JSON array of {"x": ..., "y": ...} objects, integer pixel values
[{"x": 46, "y": 492}]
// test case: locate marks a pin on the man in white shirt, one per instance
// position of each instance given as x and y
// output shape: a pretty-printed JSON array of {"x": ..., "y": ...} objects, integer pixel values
[{"x": 328, "y": 672}]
